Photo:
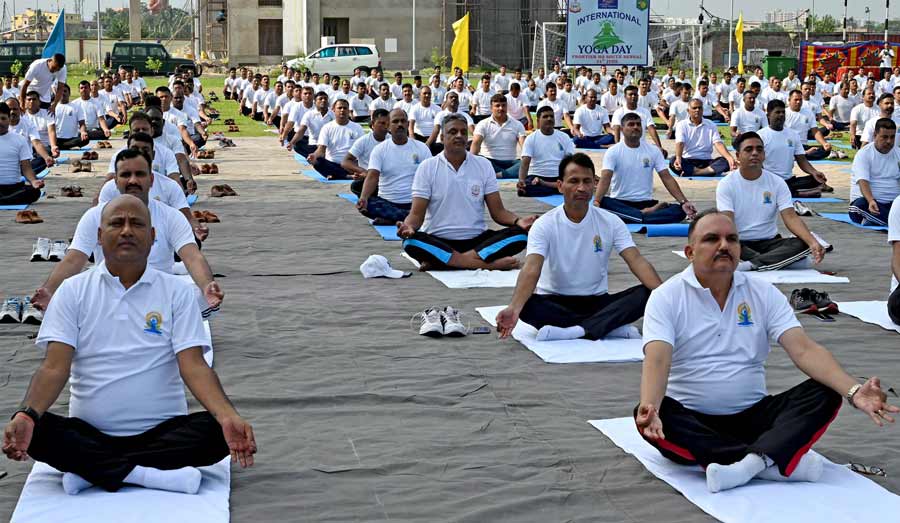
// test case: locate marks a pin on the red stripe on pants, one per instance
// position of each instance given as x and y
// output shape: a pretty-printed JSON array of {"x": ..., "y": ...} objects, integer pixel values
[{"x": 805, "y": 448}]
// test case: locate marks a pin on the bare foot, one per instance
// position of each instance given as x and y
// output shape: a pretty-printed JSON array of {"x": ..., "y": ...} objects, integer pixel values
[
  {"x": 504, "y": 264},
  {"x": 424, "y": 266}
]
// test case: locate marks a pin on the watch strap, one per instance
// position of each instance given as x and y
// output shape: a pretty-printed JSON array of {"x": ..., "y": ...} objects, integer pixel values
[
  {"x": 852, "y": 392},
  {"x": 28, "y": 411}
]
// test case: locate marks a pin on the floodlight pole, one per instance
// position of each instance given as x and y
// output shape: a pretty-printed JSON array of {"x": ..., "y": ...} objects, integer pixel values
[{"x": 730, "y": 33}]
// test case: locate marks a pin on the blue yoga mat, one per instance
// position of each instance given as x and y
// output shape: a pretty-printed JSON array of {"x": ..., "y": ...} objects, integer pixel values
[
  {"x": 698, "y": 178},
  {"x": 192, "y": 199},
  {"x": 40, "y": 176},
  {"x": 845, "y": 218},
  {"x": 62, "y": 159},
  {"x": 387, "y": 232},
  {"x": 832, "y": 162},
  {"x": 21, "y": 207},
  {"x": 81, "y": 149},
  {"x": 309, "y": 172},
  {"x": 301, "y": 160},
  {"x": 818, "y": 200},
  {"x": 667, "y": 229}
]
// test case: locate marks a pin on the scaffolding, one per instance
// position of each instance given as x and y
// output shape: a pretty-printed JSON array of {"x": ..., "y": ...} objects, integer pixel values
[{"x": 501, "y": 32}]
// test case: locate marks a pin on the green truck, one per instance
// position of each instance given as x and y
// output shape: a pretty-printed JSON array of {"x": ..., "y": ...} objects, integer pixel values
[
  {"x": 22, "y": 52},
  {"x": 134, "y": 55}
]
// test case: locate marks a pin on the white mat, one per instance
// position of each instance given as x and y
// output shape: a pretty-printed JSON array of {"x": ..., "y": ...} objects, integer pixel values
[
  {"x": 43, "y": 501},
  {"x": 869, "y": 312},
  {"x": 612, "y": 350},
  {"x": 839, "y": 496},
  {"x": 470, "y": 279},
  {"x": 789, "y": 275}
]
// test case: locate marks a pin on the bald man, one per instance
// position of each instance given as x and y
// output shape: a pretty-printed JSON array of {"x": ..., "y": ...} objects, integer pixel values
[{"x": 127, "y": 335}]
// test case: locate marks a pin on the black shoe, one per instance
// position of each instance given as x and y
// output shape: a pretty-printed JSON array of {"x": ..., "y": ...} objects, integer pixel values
[
  {"x": 823, "y": 302},
  {"x": 802, "y": 300}
]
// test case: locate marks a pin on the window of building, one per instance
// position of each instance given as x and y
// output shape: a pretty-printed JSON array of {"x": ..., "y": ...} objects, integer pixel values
[
  {"x": 269, "y": 3},
  {"x": 270, "y": 37}
]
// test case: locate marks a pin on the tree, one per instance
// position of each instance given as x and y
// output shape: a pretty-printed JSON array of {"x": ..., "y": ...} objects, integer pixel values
[
  {"x": 823, "y": 24},
  {"x": 770, "y": 28},
  {"x": 170, "y": 23}
]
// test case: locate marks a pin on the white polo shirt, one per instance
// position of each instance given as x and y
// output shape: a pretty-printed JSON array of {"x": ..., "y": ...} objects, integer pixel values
[
  {"x": 42, "y": 122},
  {"x": 500, "y": 140},
  {"x": 882, "y": 171},
  {"x": 709, "y": 102},
  {"x": 756, "y": 204},
  {"x": 42, "y": 80},
  {"x": 362, "y": 148},
  {"x": 439, "y": 121},
  {"x": 868, "y": 134},
  {"x": 781, "y": 148},
  {"x": 698, "y": 139},
  {"x": 558, "y": 109},
  {"x": 747, "y": 121},
  {"x": 91, "y": 110},
  {"x": 406, "y": 106},
  {"x": 576, "y": 255},
  {"x": 164, "y": 162},
  {"x": 894, "y": 232},
  {"x": 360, "y": 106},
  {"x": 314, "y": 122},
  {"x": 546, "y": 152},
  {"x": 841, "y": 108},
  {"x": 124, "y": 377},
  {"x": 14, "y": 148},
  {"x": 482, "y": 101},
  {"x": 423, "y": 118},
  {"x": 381, "y": 103},
  {"x": 455, "y": 198},
  {"x": 516, "y": 106},
  {"x": 173, "y": 232},
  {"x": 861, "y": 114},
  {"x": 163, "y": 189},
  {"x": 338, "y": 139},
  {"x": 397, "y": 165},
  {"x": 592, "y": 121},
  {"x": 633, "y": 170},
  {"x": 67, "y": 118},
  {"x": 25, "y": 129},
  {"x": 718, "y": 355}
]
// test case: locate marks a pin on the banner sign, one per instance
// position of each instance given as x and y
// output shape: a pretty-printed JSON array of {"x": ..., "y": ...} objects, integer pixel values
[
  {"x": 828, "y": 58},
  {"x": 607, "y": 32}
]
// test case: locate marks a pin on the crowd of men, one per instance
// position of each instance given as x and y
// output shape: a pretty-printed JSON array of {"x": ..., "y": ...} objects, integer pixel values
[{"x": 430, "y": 163}]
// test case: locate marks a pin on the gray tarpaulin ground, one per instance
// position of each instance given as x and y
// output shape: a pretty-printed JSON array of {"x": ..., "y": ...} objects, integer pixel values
[{"x": 360, "y": 419}]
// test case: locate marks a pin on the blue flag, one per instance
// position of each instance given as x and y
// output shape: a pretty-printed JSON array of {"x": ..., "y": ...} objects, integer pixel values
[{"x": 57, "y": 41}]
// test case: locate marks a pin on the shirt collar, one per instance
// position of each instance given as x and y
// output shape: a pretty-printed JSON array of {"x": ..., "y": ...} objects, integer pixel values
[
  {"x": 690, "y": 278},
  {"x": 149, "y": 276}
]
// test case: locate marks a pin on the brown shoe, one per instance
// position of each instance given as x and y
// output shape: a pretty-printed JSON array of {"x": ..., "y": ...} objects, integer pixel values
[
  {"x": 75, "y": 166},
  {"x": 210, "y": 154},
  {"x": 86, "y": 167},
  {"x": 218, "y": 191},
  {"x": 230, "y": 191},
  {"x": 213, "y": 169},
  {"x": 96, "y": 156},
  {"x": 86, "y": 155},
  {"x": 204, "y": 169},
  {"x": 195, "y": 170},
  {"x": 23, "y": 217},
  {"x": 199, "y": 216},
  {"x": 211, "y": 217},
  {"x": 76, "y": 191}
]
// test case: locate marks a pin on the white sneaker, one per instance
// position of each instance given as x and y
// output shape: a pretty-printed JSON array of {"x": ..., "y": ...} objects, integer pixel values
[
  {"x": 41, "y": 250},
  {"x": 431, "y": 323},
  {"x": 452, "y": 326},
  {"x": 58, "y": 250},
  {"x": 11, "y": 310},
  {"x": 30, "y": 314}
]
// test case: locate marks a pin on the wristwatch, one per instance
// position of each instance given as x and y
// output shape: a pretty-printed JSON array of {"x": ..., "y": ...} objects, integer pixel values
[
  {"x": 28, "y": 411},
  {"x": 850, "y": 393}
]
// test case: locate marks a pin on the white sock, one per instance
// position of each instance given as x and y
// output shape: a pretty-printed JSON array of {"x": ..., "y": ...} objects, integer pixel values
[
  {"x": 551, "y": 333},
  {"x": 810, "y": 469},
  {"x": 724, "y": 477},
  {"x": 625, "y": 331},
  {"x": 745, "y": 266},
  {"x": 73, "y": 483},
  {"x": 185, "y": 480}
]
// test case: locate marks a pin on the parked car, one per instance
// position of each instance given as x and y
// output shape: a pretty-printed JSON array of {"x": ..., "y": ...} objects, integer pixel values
[
  {"x": 339, "y": 59},
  {"x": 24, "y": 52},
  {"x": 133, "y": 55}
]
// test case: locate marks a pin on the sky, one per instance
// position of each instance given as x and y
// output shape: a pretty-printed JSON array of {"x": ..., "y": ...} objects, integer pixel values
[{"x": 756, "y": 9}]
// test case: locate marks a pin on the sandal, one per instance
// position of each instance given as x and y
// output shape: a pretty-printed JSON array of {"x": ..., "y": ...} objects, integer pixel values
[
  {"x": 199, "y": 216},
  {"x": 230, "y": 191},
  {"x": 218, "y": 191},
  {"x": 213, "y": 169},
  {"x": 211, "y": 217}
]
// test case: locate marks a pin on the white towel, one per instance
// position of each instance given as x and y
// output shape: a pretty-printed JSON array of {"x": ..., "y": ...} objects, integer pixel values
[
  {"x": 869, "y": 312},
  {"x": 839, "y": 496},
  {"x": 469, "y": 279},
  {"x": 610, "y": 350},
  {"x": 43, "y": 501},
  {"x": 787, "y": 276}
]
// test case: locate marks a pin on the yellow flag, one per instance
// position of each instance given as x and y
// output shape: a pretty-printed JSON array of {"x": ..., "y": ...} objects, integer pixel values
[
  {"x": 459, "y": 51},
  {"x": 739, "y": 38}
]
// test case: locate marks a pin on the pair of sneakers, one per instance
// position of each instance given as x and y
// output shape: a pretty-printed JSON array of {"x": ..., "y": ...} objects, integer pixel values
[
  {"x": 18, "y": 309},
  {"x": 45, "y": 249},
  {"x": 438, "y": 322},
  {"x": 812, "y": 301}
]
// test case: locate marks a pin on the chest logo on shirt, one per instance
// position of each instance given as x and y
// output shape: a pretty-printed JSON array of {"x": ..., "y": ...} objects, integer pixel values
[
  {"x": 475, "y": 190},
  {"x": 744, "y": 317},
  {"x": 645, "y": 162},
  {"x": 415, "y": 158},
  {"x": 767, "y": 198},
  {"x": 790, "y": 143},
  {"x": 154, "y": 323},
  {"x": 598, "y": 243}
]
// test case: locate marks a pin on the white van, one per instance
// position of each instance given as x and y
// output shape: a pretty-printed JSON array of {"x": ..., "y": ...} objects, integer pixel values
[{"x": 340, "y": 59}]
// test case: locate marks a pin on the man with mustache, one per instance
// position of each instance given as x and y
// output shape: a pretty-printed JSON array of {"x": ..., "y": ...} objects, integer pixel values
[{"x": 753, "y": 198}]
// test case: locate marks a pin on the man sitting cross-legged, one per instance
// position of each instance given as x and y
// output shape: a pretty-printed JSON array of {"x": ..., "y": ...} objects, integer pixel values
[
  {"x": 450, "y": 192},
  {"x": 15, "y": 162},
  {"x": 562, "y": 288},
  {"x": 784, "y": 147},
  {"x": 541, "y": 154},
  {"x": 628, "y": 173},
  {"x": 305, "y": 140},
  {"x": 499, "y": 136},
  {"x": 131, "y": 337},
  {"x": 173, "y": 235},
  {"x": 357, "y": 160},
  {"x": 451, "y": 106},
  {"x": 703, "y": 388},
  {"x": 334, "y": 142},
  {"x": 592, "y": 130},
  {"x": 753, "y": 198},
  {"x": 695, "y": 139},
  {"x": 392, "y": 167},
  {"x": 875, "y": 181}
]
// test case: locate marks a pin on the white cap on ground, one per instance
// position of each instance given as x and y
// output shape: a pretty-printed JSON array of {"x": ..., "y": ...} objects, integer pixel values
[{"x": 377, "y": 266}]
